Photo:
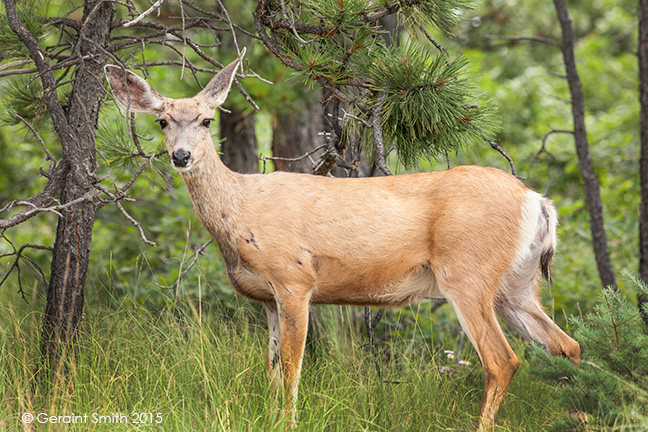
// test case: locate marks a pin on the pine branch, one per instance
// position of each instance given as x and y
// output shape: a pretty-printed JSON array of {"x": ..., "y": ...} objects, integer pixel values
[{"x": 378, "y": 134}]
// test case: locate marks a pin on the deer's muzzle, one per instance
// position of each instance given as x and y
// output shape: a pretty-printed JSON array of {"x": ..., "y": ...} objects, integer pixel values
[{"x": 180, "y": 159}]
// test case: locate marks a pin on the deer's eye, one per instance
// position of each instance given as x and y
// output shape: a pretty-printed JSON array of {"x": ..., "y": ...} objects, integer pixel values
[
  {"x": 207, "y": 122},
  {"x": 163, "y": 123}
]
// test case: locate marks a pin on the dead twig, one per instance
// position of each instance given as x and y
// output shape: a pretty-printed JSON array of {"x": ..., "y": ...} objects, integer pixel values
[
  {"x": 538, "y": 39},
  {"x": 192, "y": 262},
  {"x": 18, "y": 253},
  {"x": 147, "y": 12},
  {"x": 501, "y": 151},
  {"x": 50, "y": 156},
  {"x": 136, "y": 224},
  {"x": 264, "y": 159}
]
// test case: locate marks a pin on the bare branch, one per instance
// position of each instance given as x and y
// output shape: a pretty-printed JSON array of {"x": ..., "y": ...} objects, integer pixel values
[
  {"x": 50, "y": 156},
  {"x": 543, "y": 148},
  {"x": 551, "y": 132},
  {"x": 174, "y": 63},
  {"x": 90, "y": 196},
  {"x": 18, "y": 253},
  {"x": 120, "y": 193},
  {"x": 63, "y": 64},
  {"x": 361, "y": 120},
  {"x": 247, "y": 97},
  {"x": 231, "y": 26},
  {"x": 431, "y": 39},
  {"x": 389, "y": 9},
  {"x": 501, "y": 151},
  {"x": 558, "y": 75},
  {"x": 64, "y": 21},
  {"x": 14, "y": 64},
  {"x": 538, "y": 39},
  {"x": 12, "y": 72},
  {"x": 184, "y": 37},
  {"x": 136, "y": 224},
  {"x": 217, "y": 17},
  {"x": 43, "y": 199},
  {"x": 293, "y": 159},
  {"x": 135, "y": 138},
  {"x": 144, "y": 14},
  {"x": 193, "y": 259}
]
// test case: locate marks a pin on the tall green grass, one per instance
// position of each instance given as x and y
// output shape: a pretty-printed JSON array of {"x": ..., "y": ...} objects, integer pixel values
[{"x": 208, "y": 373}]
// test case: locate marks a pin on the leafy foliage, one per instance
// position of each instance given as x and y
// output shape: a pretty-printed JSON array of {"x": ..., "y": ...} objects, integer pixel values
[{"x": 609, "y": 387}]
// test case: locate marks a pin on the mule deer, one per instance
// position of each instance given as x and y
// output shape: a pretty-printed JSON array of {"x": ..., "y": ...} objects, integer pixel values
[{"x": 474, "y": 236}]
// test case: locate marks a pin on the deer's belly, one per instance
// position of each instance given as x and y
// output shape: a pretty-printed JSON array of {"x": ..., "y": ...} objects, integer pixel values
[{"x": 415, "y": 285}]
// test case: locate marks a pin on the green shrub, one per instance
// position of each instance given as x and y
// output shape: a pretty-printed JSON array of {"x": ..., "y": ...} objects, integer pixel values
[{"x": 608, "y": 389}]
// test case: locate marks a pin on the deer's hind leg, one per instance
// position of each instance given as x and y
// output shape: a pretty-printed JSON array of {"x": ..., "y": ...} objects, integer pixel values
[
  {"x": 518, "y": 304},
  {"x": 474, "y": 307}
]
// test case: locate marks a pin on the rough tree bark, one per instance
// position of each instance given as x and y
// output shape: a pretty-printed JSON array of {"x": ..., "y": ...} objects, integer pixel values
[
  {"x": 592, "y": 189},
  {"x": 239, "y": 150},
  {"x": 643, "y": 98}
]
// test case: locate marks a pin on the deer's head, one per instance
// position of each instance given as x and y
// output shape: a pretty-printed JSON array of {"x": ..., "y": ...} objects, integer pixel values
[{"x": 184, "y": 122}]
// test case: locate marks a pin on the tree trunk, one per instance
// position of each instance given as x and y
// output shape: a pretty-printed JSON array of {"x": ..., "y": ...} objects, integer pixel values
[
  {"x": 74, "y": 232},
  {"x": 239, "y": 148},
  {"x": 294, "y": 135},
  {"x": 643, "y": 98},
  {"x": 592, "y": 189}
]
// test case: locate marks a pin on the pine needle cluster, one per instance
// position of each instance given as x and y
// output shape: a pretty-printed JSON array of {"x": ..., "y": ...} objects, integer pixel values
[
  {"x": 428, "y": 102},
  {"x": 10, "y": 46},
  {"x": 22, "y": 96},
  {"x": 608, "y": 389},
  {"x": 431, "y": 105},
  {"x": 117, "y": 146}
]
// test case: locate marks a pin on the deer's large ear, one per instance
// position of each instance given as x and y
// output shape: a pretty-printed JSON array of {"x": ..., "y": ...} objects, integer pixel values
[
  {"x": 133, "y": 92},
  {"x": 216, "y": 91}
]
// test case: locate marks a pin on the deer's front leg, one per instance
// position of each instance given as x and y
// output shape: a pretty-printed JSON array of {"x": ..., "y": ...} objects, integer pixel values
[
  {"x": 274, "y": 331},
  {"x": 293, "y": 324}
]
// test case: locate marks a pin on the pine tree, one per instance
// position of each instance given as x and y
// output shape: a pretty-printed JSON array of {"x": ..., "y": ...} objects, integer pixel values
[
  {"x": 411, "y": 96},
  {"x": 608, "y": 389}
]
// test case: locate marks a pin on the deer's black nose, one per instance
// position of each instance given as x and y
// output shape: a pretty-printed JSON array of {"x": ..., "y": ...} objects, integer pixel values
[{"x": 180, "y": 158}]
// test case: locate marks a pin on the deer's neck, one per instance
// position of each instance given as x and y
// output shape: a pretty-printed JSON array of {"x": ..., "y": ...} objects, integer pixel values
[{"x": 216, "y": 193}]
